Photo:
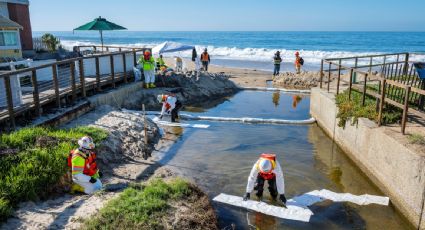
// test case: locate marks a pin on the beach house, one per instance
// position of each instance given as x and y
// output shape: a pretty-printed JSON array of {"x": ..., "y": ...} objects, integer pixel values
[{"x": 15, "y": 29}]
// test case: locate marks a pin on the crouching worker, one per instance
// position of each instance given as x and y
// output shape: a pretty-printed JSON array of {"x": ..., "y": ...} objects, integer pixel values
[
  {"x": 170, "y": 105},
  {"x": 267, "y": 168},
  {"x": 85, "y": 174}
]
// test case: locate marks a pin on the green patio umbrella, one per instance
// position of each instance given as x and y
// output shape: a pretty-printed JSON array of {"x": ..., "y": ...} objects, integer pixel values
[{"x": 100, "y": 24}]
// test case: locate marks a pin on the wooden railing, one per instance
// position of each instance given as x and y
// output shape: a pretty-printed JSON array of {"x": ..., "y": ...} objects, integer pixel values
[
  {"x": 397, "y": 81},
  {"x": 63, "y": 82}
]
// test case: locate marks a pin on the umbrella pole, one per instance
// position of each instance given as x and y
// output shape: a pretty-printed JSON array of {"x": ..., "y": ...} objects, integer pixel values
[{"x": 101, "y": 39}]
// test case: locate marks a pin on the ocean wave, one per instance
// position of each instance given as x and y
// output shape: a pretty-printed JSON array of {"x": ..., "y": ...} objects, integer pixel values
[{"x": 252, "y": 54}]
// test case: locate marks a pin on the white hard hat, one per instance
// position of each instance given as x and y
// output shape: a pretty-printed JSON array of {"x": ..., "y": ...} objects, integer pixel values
[
  {"x": 86, "y": 142},
  {"x": 160, "y": 98},
  {"x": 265, "y": 165}
]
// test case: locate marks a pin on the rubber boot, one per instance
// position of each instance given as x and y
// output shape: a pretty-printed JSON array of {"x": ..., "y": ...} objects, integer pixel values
[
  {"x": 76, "y": 188},
  {"x": 147, "y": 85},
  {"x": 153, "y": 85}
]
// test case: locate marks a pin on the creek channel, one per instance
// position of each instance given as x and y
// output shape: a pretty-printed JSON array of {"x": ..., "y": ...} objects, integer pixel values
[{"x": 219, "y": 160}]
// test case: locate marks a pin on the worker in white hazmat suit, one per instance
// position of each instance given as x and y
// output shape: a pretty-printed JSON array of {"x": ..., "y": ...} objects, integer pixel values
[
  {"x": 170, "y": 105},
  {"x": 267, "y": 168}
]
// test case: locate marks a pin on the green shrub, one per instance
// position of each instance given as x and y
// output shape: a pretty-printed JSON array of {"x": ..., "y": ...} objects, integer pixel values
[
  {"x": 139, "y": 207},
  {"x": 353, "y": 109},
  {"x": 33, "y": 172}
]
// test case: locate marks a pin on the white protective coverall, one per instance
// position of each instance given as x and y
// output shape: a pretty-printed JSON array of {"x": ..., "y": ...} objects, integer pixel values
[
  {"x": 168, "y": 105},
  {"x": 280, "y": 182}
]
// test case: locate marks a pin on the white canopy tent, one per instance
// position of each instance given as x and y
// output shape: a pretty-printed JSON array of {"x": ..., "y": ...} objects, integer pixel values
[{"x": 171, "y": 47}]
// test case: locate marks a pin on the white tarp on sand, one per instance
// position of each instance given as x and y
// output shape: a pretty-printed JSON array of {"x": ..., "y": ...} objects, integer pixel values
[{"x": 298, "y": 206}]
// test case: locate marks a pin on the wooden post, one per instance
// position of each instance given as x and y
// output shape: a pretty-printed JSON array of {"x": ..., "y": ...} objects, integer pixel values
[
  {"x": 145, "y": 129},
  {"x": 82, "y": 81},
  {"x": 111, "y": 58},
  {"x": 406, "y": 65},
  {"x": 381, "y": 102},
  {"x": 329, "y": 76},
  {"x": 98, "y": 86},
  {"x": 354, "y": 77},
  {"x": 124, "y": 63},
  {"x": 350, "y": 84},
  {"x": 35, "y": 93},
  {"x": 339, "y": 77},
  {"x": 405, "y": 109},
  {"x": 9, "y": 101},
  {"x": 364, "y": 90},
  {"x": 134, "y": 57},
  {"x": 56, "y": 85},
  {"x": 370, "y": 65},
  {"x": 321, "y": 73},
  {"x": 73, "y": 86}
]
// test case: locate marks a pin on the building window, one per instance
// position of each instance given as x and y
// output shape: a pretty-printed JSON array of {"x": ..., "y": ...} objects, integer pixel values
[{"x": 8, "y": 38}]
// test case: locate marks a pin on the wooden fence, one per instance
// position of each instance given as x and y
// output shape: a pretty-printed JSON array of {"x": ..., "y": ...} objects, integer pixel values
[
  {"x": 64, "y": 82},
  {"x": 396, "y": 82}
]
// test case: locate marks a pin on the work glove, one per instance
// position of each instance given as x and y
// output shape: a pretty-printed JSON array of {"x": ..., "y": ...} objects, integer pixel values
[
  {"x": 168, "y": 112},
  {"x": 100, "y": 174},
  {"x": 160, "y": 117},
  {"x": 283, "y": 199},
  {"x": 246, "y": 197},
  {"x": 92, "y": 180}
]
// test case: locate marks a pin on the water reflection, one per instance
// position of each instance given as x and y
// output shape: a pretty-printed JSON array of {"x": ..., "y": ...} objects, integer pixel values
[
  {"x": 220, "y": 158},
  {"x": 276, "y": 98}
]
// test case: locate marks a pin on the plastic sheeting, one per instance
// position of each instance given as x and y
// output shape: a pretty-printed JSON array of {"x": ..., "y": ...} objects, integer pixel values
[
  {"x": 292, "y": 212},
  {"x": 298, "y": 206},
  {"x": 315, "y": 196}
]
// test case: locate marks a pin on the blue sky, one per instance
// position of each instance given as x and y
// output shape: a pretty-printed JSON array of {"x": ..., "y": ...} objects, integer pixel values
[{"x": 240, "y": 15}]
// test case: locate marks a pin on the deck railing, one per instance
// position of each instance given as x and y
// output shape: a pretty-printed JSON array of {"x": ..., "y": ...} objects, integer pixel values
[
  {"x": 62, "y": 83},
  {"x": 395, "y": 81}
]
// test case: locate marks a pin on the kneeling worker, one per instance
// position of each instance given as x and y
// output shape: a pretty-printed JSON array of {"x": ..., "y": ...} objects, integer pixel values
[
  {"x": 85, "y": 173},
  {"x": 267, "y": 168},
  {"x": 170, "y": 104}
]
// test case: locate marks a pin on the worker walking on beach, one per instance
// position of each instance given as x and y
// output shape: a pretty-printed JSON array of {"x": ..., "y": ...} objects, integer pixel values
[
  {"x": 299, "y": 61},
  {"x": 148, "y": 64},
  {"x": 267, "y": 168},
  {"x": 85, "y": 173},
  {"x": 205, "y": 59},
  {"x": 160, "y": 63},
  {"x": 277, "y": 60},
  {"x": 170, "y": 105}
]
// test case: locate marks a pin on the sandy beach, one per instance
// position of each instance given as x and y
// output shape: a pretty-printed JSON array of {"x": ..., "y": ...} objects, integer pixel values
[{"x": 242, "y": 77}]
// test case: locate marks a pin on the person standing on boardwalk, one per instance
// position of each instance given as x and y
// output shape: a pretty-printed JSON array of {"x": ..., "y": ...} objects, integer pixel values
[
  {"x": 277, "y": 60},
  {"x": 299, "y": 61},
  {"x": 205, "y": 59},
  {"x": 148, "y": 64}
]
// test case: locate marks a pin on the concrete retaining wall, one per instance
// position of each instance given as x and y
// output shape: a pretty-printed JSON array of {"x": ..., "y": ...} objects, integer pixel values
[{"x": 397, "y": 170}]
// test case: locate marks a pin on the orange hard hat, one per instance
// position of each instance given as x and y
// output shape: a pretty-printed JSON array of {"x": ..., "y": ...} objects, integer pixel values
[{"x": 147, "y": 52}]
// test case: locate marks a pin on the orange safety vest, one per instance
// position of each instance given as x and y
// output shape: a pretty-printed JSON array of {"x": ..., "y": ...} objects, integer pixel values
[
  {"x": 272, "y": 158},
  {"x": 90, "y": 165},
  {"x": 205, "y": 57}
]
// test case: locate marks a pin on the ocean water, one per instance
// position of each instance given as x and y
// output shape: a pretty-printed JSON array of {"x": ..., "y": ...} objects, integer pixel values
[{"x": 255, "y": 49}]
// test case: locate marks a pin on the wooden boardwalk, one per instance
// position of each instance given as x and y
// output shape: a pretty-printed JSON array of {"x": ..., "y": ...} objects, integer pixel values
[{"x": 68, "y": 84}]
